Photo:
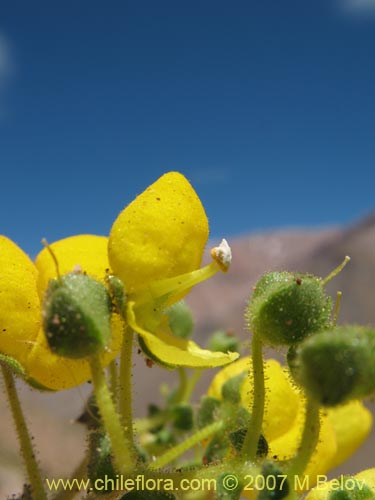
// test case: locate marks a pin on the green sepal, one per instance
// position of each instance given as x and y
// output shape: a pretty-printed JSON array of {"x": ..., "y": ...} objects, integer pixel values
[
  {"x": 223, "y": 341},
  {"x": 182, "y": 415},
  {"x": 279, "y": 487},
  {"x": 77, "y": 316},
  {"x": 288, "y": 307},
  {"x": 180, "y": 319},
  {"x": 231, "y": 389},
  {"x": 18, "y": 370},
  {"x": 100, "y": 464},
  {"x": 208, "y": 411},
  {"x": 118, "y": 294},
  {"x": 228, "y": 486},
  {"x": 352, "y": 490},
  {"x": 216, "y": 449},
  {"x": 337, "y": 365}
]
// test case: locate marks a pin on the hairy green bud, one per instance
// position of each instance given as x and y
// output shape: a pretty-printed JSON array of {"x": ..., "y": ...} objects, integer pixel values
[
  {"x": 182, "y": 417},
  {"x": 77, "y": 316},
  {"x": 180, "y": 320},
  {"x": 336, "y": 365},
  {"x": 100, "y": 461},
  {"x": 207, "y": 411},
  {"x": 223, "y": 341},
  {"x": 287, "y": 307},
  {"x": 276, "y": 487}
]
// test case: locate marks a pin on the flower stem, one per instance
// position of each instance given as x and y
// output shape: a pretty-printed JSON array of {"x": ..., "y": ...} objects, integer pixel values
[
  {"x": 122, "y": 447},
  {"x": 250, "y": 445},
  {"x": 23, "y": 436},
  {"x": 181, "y": 448},
  {"x": 125, "y": 385},
  {"x": 309, "y": 440}
]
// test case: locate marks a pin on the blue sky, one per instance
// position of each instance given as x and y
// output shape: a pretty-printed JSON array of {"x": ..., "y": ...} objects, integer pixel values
[{"x": 266, "y": 106}]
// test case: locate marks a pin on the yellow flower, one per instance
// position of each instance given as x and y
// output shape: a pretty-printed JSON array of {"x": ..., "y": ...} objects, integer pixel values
[
  {"x": 156, "y": 247},
  {"x": 363, "y": 479},
  {"x": 22, "y": 288},
  {"x": 343, "y": 429}
]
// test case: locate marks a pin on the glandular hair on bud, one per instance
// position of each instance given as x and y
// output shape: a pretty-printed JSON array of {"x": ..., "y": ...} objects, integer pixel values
[
  {"x": 77, "y": 316},
  {"x": 336, "y": 365},
  {"x": 287, "y": 307}
]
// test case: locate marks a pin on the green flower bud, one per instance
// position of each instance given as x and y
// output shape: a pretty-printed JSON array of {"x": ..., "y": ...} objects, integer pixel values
[
  {"x": 287, "y": 307},
  {"x": 275, "y": 485},
  {"x": 77, "y": 316},
  {"x": 182, "y": 417},
  {"x": 337, "y": 365},
  {"x": 223, "y": 341},
  {"x": 216, "y": 450},
  {"x": 352, "y": 490},
  {"x": 180, "y": 320},
  {"x": 231, "y": 389},
  {"x": 228, "y": 486},
  {"x": 100, "y": 461},
  {"x": 208, "y": 411}
]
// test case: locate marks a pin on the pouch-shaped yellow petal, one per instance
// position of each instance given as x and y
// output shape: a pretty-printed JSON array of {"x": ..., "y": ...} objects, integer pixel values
[
  {"x": 352, "y": 424},
  {"x": 19, "y": 301},
  {"x": 286, "y": 446},
  {"x": 161, "y": 234},
  {"x": 281, "y": 399},
  {"x": 173, "y": 351},
  {"x": 368, "y": 476},
  {"x": 57, "y": 373},
  {"x": 86, "y": 252}
]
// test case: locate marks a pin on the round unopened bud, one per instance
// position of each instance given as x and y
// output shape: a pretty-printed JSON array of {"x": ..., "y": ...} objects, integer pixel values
[
  {"x": 77, "y": 316},
  {"x": 223, "y": 341},
  {"x": 287, "y": 307},
  {"x": 336, "y": 365},
  {"x": 276, "y": 487},
  {"x": 183, "y": 417},
  {"x": 180, "y": 320},
  {"x": 207, "y": 411}
]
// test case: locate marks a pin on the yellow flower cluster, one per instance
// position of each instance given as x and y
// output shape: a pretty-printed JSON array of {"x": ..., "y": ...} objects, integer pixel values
[
  {"x": 155, "y": 247},
  {"x": 343, "y": 428}
]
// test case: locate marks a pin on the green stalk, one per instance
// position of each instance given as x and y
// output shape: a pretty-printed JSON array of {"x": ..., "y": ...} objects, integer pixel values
[
  {"x": 250, "y": 445},
  {"x": 181, "y": 448},
  {"x": 125, "y": 385},
  {"x": 27, "y": 450},
  {"x": 122, "y": 446},
  {"x": 309, "y": 440}
]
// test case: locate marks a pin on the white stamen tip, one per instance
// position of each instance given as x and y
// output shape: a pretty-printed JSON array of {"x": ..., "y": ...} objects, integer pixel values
[{"x": 222, "y": 255}]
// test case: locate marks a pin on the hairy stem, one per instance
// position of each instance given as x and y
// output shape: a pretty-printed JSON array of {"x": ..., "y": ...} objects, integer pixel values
[
  {"x": 125, "y": 385},
  {"x": 181, "y": 448},
  {"x": 250, "y": 445},
  {"x": 122, "y": 446},
  {"x": 24, "y": 437}
]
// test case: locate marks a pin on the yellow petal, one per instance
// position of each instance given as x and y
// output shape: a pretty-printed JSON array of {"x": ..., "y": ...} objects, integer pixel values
[
  {"x": 87, "y": 252},
  {"x": 56, "y": 372},
  {"x": 19, "y": 301},
  {"x": 352, "y": 424},
  {"x": 368, "y": 476},
  {"x": 161, "y": 234},
  {"x": 286, "y": 446},
  {"x": 173, "y": 351},
  {"x": 278, "y": 416}
]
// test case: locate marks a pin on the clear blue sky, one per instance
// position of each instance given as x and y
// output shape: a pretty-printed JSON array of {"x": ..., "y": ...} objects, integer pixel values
[{"x": 268, "y": 107}]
